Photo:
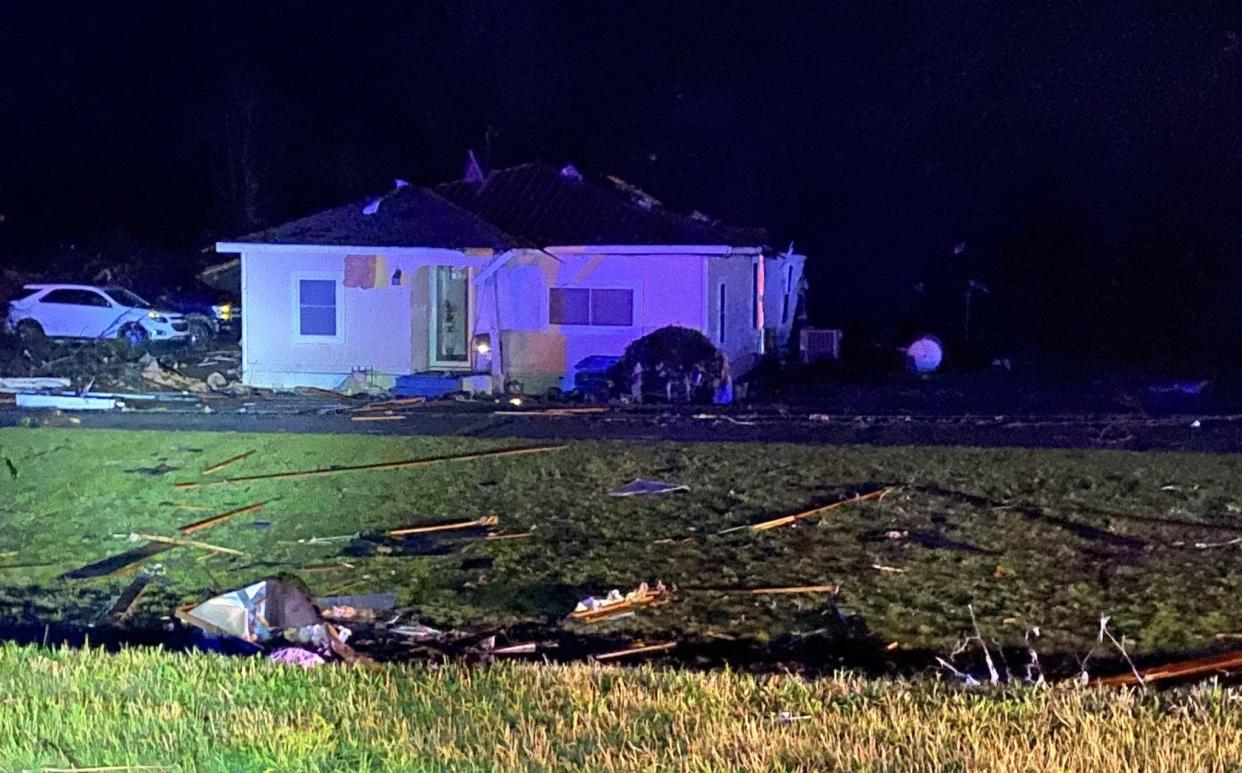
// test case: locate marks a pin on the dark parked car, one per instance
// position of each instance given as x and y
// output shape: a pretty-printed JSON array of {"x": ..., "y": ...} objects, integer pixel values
[{"x": 212, "y": 315}]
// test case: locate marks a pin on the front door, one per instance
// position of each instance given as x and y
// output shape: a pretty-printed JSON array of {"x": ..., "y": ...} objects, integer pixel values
[{"x": 450, "y": 317}]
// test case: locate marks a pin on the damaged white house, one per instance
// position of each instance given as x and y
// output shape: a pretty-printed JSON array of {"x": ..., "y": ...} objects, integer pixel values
[{"x": 514, "y": 277}]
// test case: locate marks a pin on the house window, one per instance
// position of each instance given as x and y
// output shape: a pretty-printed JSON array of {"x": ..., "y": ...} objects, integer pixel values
[
  {"x": 720, "y": 322},
  {"x": 317, "y": 308},
  {"x": 582, "y": 306}
]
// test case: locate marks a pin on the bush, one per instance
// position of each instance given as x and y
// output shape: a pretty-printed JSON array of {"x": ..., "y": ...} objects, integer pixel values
[{"x": 673, "y": 364}]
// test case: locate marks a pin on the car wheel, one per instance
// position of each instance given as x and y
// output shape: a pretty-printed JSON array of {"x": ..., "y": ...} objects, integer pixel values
[
  {"x": 135, "y": 335},
  {"x": 200, "y": 335},
  {"x": 31, "y": 332}
]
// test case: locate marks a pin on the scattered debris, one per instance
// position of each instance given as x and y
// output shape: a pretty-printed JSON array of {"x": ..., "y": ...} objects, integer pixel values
[
  {"x": 485, "y": 521},
  {"x": 642, "y": 650},
  {"x": 642, "y": 487},
  {"x": 254, "y": 613},
  {"x": 296, "y": 656},
  {"x": 722, "y": 417},
  {"x": 528, "y": 648},
  {"x": 12, "y": 384},
  {"x": 520, "y": 535},
  {"x": 401, "y": 465},
  {"x": 550, "y": 412},
  {"x": 786, "y": 717},
  {"x": 188, "y": 543},
  {"x": 207, "y": 523},
  {"x": 231, "y": 460},
  {"x": 394, "y": 417},
  {"x": 418, "y": 632},
  {"x": 889, "y": 569},
  {"x": 614, "y": 605},
  {"x": 67, "y": 402},
  {"x": 386, "y": 405},
  {"x": 125, "y": 602},
  {"x": 788, "y": 519}
]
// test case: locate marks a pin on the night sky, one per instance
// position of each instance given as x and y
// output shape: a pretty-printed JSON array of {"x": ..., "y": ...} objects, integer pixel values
[{"x": 1087, "y": 154}]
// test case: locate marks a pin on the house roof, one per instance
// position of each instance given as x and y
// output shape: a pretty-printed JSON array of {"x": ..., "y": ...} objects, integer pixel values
[
  {"x": 550, "y": 207},
  {"x": 407, "y": 217}
]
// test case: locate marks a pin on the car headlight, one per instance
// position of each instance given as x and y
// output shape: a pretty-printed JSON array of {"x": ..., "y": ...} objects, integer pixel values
[
  {"x": 223, "y": 312},
  {"x": 155, "y": 315}
]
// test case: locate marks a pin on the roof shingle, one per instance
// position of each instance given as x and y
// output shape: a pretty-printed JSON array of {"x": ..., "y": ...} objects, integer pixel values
[
  {"x": 549, "y": 208},
  {"x": 408, "y": 217}
]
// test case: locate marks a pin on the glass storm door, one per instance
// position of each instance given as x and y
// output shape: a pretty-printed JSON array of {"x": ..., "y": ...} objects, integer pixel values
[{"x": 450, "y": 320}]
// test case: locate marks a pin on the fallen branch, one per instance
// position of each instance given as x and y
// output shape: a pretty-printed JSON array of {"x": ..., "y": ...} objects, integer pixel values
[
  {"x": 788, "y": 519},
  {"x": 189, "y": 543},
  {"x": 232, "y": 459},
  {"x": 636, "y": 651},
  {"x": 487, "y": 520},
  {"x": 207, "y": 523},
  {"x": 402, "y": 465}
]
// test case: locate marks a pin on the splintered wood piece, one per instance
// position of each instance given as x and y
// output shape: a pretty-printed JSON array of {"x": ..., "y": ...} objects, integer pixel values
[
  {"x": 788, "y": 519},
  {"x": 636, "y": 651},
  {"x": 1177, "y": 670},
  {"x": 390, "y": 404},
  {"x": 189, "y": 543},
  {"x": 231, "y": 460},
  {"x": 487, "y": 520},
  {"x": 401, "y": 465},
  {"x": 379, "y": 418},
  {"x": 207, "y": 523}
]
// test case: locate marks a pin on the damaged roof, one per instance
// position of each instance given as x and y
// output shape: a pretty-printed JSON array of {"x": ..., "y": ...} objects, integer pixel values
[
  {"x": 550, "y": 207},
  {"x": 407, "y": 217}
]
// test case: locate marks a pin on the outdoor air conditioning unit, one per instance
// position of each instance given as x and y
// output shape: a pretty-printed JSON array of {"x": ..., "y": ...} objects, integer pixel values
[{"x": 819, "y": 344}]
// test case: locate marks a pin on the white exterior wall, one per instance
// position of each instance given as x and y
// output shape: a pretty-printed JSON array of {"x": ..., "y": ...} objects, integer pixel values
[
  {"x": 740, "y": 341},
  {"x": 377, "y": 326},
  {"x": 668, "y": 290}
]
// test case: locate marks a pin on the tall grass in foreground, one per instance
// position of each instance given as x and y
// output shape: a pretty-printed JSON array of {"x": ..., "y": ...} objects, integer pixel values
[{"x": 74, "y": 708}]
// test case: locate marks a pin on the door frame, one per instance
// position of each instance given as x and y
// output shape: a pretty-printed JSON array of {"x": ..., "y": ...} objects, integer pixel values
[{"x": 433, "y": 302}]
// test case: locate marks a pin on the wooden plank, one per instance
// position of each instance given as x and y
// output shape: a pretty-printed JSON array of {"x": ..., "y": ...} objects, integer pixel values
[
  {"x": 788, "y": 519},
  {"x": 231, "y": 460},
  {"x": 189, "y": 543},
  {"x": 636, "y": 651},
  {"x": 401, "y": 465},
  {"x": 379, "y": 418},
  {"x": 487, "y": 520},
  {"x": 207, "y": 523},
  {"x": 1181, "y": 669}
]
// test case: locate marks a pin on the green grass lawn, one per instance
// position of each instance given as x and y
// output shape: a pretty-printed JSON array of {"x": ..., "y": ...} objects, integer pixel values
[
  {"x": 78, "y": 709},
  {"x": 1047, "y": 538}
]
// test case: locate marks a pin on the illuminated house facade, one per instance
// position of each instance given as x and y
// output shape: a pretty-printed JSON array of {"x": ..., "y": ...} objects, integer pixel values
[{"x": 512, "y": 277}]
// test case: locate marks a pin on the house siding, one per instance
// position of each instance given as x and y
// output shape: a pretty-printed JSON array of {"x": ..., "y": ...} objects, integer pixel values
[{"x": 667, "y": 291}]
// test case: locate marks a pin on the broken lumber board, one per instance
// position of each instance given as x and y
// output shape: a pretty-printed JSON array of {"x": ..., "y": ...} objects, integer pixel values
[
  {"x": 401, "y": 465},
  {"x": 528, "y": 648},
  {"x": 519, "y": 535},
  {"x": 207, "y": 523},
  {"x": 125, "y": 602},
  {"x": 636, "y": 651},
  {"x": 487, "y": 520},
  {"x": 232, "y": 459},
  {"x": 552, "y": 412},
  {"x": 771, "y": 591},
  {"x": 788, "y": 519},
  {"x": 384, "y": 417},
  {"x": 385, "y": 405},
  {"x": 189, "y": 543},
  {"x": 1177, "y": 670}
]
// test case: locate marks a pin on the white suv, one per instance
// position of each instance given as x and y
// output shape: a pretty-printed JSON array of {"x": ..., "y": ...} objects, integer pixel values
[{"x": 83, "y": 311}]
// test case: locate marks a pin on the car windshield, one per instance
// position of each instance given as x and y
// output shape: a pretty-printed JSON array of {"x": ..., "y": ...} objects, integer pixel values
[{"x": 126, "y": 298}]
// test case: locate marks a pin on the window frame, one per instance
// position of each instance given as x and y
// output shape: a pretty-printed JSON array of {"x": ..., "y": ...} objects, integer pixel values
[
  {"x": 295, "y": 317},
  {"x": 635, "y": 309}
]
